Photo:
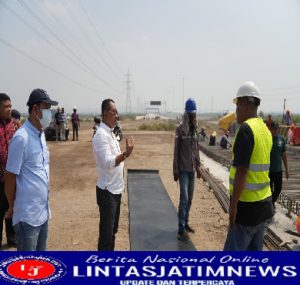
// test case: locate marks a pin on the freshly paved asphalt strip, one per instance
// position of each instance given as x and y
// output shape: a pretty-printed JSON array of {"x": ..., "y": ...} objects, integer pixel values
[{"x": 152, "y": 216}]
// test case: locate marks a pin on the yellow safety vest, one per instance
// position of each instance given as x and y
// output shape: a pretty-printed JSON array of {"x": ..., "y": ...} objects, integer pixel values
[{"x": 257, "y": 185}]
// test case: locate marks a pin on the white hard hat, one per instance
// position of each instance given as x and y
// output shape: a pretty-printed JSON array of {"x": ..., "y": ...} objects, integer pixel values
[
  {"x": 74, "y": 108},
  {"x": 248, "y": 89}
]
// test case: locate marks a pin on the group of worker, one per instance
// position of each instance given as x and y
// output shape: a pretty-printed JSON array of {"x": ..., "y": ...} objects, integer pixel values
[
  {"x": 254, "y": 186},
  {"x": 26, "y": 170},
  {"x": 61, "y": 122},
  {"x": 224, "y": 141}
]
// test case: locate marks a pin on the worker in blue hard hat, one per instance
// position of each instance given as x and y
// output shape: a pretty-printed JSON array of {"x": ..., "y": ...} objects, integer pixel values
[
  {"x": 190, "y": 106},
  {"x": 185, "y": 164}
]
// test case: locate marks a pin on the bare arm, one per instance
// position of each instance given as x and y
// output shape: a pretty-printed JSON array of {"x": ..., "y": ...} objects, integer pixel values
[
  {"x": 239, "y": 185},
  {"x": 284, "y": 158},
  {"x": 10, "y": 191}
]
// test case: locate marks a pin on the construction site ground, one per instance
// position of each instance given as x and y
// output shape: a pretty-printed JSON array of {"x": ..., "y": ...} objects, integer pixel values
[
  {"x": 75, "y": 216},
  {"x": 282, "y": 225},
  {"x": 74, "y": 225}
]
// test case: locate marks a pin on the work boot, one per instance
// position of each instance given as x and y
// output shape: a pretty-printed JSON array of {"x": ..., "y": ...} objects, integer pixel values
[
  {"x": 183, "y": 237},
  {"x": 189, "y": 229}
]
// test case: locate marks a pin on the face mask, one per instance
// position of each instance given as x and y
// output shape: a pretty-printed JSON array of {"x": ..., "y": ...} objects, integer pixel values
[{"x": 46, "y": 118}]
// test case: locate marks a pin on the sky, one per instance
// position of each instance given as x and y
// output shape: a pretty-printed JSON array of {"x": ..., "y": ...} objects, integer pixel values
[{"x": 81, "y": 52}]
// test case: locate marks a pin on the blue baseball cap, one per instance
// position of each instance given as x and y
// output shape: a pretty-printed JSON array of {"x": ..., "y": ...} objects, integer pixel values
[{"x": 40, "y": 96}]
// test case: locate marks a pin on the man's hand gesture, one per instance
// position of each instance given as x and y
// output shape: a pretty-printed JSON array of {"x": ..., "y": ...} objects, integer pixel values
[{"x": 129, "y": 146}]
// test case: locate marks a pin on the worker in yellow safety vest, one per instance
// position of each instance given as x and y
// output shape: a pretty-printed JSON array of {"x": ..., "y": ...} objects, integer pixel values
[{"x": 249, "y": 183}]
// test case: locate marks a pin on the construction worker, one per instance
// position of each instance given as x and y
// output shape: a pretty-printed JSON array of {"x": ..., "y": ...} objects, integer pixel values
[
  {"x": 212, "y": 138},
  {"x": 287, "y": 119},
  {"x": 57, "y": 119},
  {"x": 186, "y": 162},
  {"x": 224, "y": 142},
  {"x": 249, "y": 183},
  {"x": 278, "y": 154},
  {"x": 203, "y": 134},
  {"x": 269, "y": 121},
  {"x": 75, "y": 120}
]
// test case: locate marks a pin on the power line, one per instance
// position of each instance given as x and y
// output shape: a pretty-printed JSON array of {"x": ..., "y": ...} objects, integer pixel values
[
  {"x": 43, "y": 37},
  {"x": 73, "y": 37},
  {"x": 26, "y": 7},
  {"x": 46, "y": 66},
  {"x": 97, "y": 33},
  {"x": 88, "y": 38}
]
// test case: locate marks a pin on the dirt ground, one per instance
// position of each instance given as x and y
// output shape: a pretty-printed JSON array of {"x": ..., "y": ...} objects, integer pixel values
[{"x": 75, "y": 216}]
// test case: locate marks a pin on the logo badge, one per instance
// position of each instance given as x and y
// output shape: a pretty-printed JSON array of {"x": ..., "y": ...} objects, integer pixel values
[{"x": 31, "y": 269}]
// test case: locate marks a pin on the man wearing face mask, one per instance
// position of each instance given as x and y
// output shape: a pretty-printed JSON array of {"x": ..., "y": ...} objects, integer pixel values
[
  {"x": 27, "y": 175},
  {"x": 186, "y": 162}
]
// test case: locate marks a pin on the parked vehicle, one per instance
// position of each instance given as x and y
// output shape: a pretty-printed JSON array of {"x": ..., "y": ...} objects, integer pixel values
[{"x": 50, "y": 133}]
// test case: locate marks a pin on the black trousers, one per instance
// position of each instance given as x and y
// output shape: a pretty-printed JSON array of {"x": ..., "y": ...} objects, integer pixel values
[
  {"x": 276, "y": 184},
  {"x": 75, "y": 132},
  {"x": 109, "y": 209},
  {"x": 10, "y": 233}
]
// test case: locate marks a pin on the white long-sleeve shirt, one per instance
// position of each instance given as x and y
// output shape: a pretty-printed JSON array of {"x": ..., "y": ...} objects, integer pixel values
[{"x": 106, "y": 148}]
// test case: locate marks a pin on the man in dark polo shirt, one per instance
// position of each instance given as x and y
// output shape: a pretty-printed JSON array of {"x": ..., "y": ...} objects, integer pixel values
[{"x": 278, "y": 154}]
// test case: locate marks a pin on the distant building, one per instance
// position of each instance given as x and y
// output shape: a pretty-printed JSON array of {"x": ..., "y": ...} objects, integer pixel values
[{"x": 155, "y": 107}]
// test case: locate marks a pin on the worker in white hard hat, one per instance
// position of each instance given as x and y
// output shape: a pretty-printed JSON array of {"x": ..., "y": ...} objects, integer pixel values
[{"x": 249, "y": 183}]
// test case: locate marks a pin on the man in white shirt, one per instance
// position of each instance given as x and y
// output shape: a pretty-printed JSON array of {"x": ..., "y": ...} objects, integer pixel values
[{"x": 110, "y": 168}]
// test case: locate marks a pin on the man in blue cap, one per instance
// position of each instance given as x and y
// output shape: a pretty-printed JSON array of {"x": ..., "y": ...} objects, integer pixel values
[
  {"x": 27, "y": 175},
  {"x": 186, "y": 162}
]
